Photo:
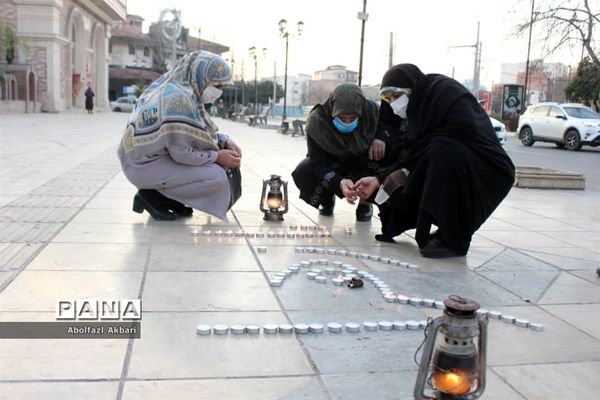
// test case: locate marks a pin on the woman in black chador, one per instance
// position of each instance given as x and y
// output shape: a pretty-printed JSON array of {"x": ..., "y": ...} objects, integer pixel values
[
  {"x": 343, "y": 145},
  {"x": 451, "y": 170}
]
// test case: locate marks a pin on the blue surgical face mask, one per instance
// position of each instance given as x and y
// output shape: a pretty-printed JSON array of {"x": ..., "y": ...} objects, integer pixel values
[{"x": 343, "y": 127}]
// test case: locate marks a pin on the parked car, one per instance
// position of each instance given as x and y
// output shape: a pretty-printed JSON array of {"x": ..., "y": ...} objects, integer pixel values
[
  {"x": 125, "y": 103},
  {"x": 568, "y": 125},
  {"x": 500, "y": 130}
]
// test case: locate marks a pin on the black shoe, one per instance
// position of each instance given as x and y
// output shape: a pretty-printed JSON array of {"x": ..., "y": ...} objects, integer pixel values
[
  {"x": 179, "y": 208},
  {"x": 163, "y": 202},
  {"x": 326, "y": 211},
  {"x": 436, "y": 249},
  {"x": 384, "y": 238},
  {"x": 364, "y": 212},
  {"x": 141, "y": 203}
]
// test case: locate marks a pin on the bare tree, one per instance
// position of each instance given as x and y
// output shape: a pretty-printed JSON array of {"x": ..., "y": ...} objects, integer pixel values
[{"x": 566, "y": 22}]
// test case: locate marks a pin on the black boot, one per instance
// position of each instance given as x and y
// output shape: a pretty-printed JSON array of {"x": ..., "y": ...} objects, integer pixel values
[
  {"x": 436, "y": 248},
  {"x": 327, "y": 206},
  {"x": 364, "y": 212},
  {"x": 168, "y": 203},
  {"x": 144, "y": 200}
]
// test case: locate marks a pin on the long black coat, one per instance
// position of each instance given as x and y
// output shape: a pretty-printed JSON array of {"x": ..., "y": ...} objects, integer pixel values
[{"x": 459, "y": 172}]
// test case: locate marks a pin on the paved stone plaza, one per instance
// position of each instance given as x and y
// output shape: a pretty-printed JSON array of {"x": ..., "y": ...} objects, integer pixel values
[{"x": 67, "y": 231}]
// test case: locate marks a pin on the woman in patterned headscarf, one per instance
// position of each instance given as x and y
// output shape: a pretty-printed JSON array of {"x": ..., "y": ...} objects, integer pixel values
[
  {"x": 343, "y": 145},
  {"x": 171, "y": 150}
]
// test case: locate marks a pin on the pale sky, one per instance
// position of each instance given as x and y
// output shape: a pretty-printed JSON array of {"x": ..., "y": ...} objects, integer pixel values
[{"x": 423, "y": 31}]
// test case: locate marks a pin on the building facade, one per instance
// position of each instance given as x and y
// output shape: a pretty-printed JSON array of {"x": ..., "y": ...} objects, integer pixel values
[
  {"x": 337, "y": 73},
  {"x": 62, "y": 45},
  {"x": 137, "y": 58}
]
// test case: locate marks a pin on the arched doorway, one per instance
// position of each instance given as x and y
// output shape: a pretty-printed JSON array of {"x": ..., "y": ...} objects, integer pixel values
[{"x": 76, "y": 65}]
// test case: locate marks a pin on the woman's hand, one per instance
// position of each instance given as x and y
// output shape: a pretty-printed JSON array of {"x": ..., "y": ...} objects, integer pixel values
[
  {"x": 377, "y": 150},
  {"x": 228, "y": 158},
  {"x": 347, "y": 187},
  {"x": 365, "y": 187},
  {"x": 230, "y": 145}
]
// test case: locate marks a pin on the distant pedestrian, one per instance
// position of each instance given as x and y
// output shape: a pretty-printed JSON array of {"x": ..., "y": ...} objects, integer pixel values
[{"x": 89, "y": 98}]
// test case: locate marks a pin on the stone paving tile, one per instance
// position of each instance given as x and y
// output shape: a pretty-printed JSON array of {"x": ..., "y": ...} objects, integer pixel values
[
  {"x": 59, "y": 390},
  {"x": 582, "y": 316},
  {"x": 114, "y": 216},
  {"x": 510, "y": 345},
  {"x": 588, "y": 274},
  {"x": 165, "y": 234},
  {"x": 439, "y": 285},
  {"x": 569, "y": 289},
  {"x": 39, "y": 290},
  {"x": 497, "y": 389},
  {"x": 176, "y": 257},
  {"x": 91, "y": 256},
  {"x": 523, "y": 239},
  {"x": 170, "y": 348},
  {"x": 511, "y": 260},
  {"x": 496, "y": 224},
  {"x": 575, "y": 380},
  {"x": 207, "y": 291},
  {"x": 362, "y": 352},
  {"x": 14, "y": 256},
  {"x": 528, "y": 285},
  {"x": 300, "y": 293},
  {"x": 588, "y": 239},
  {"x": 231, "y": 389},
  {"x": 51, "y": 359},
  {"x": 5, "y": 276},
  {"x": 567, "y": 258},
  {"x": 107, "y": 202},
  {"x": 397, "y": 385},
  {"x": 105, "y": 233},
  {"x": 542, "y": 224}
]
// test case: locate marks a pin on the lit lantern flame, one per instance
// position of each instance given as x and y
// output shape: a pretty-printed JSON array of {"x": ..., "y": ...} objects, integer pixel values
[
  {"x": 455, "y": 381},
  {"x": 274, "y": 201}
]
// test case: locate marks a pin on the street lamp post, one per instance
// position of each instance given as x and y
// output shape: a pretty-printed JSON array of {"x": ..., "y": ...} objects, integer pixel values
[
  {"x": 526, "y": 89},
  {"x": 254, "y": 56},
  {"x": 285, "y": 34},
  {"x": 363, "y": 16}
]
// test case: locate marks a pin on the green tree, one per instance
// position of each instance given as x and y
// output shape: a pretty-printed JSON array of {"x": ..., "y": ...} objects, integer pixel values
[
  {"x": 7, "y": 41},
  {"x": 264, "y": 91},
  {"x": 585, "y": 87}
]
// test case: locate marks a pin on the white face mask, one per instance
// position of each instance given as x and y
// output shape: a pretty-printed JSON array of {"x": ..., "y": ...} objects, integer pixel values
[
  {"x": 399, "y": 106},
  {"x": 210, "y": 95}
]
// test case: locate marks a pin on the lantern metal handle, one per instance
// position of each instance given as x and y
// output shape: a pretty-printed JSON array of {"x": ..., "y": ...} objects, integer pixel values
[
  {"x": 262, "y": 196},
  {"x": 431, "y": 333}
]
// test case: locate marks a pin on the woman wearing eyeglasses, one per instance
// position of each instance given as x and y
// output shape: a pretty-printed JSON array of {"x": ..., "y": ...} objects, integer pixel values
[{"x": 450, "y": 172}]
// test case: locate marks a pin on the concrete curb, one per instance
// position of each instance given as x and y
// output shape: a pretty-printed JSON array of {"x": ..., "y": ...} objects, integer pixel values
[{"x": 543, "y": 178}]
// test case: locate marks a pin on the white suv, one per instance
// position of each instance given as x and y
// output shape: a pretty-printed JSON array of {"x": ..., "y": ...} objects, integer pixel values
[{"x": 568, "y": 125}]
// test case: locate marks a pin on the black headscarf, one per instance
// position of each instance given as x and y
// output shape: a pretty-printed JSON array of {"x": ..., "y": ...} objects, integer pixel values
[
  {"x": 344, "y": 99},
  {"x": 430, "y": 99}
]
